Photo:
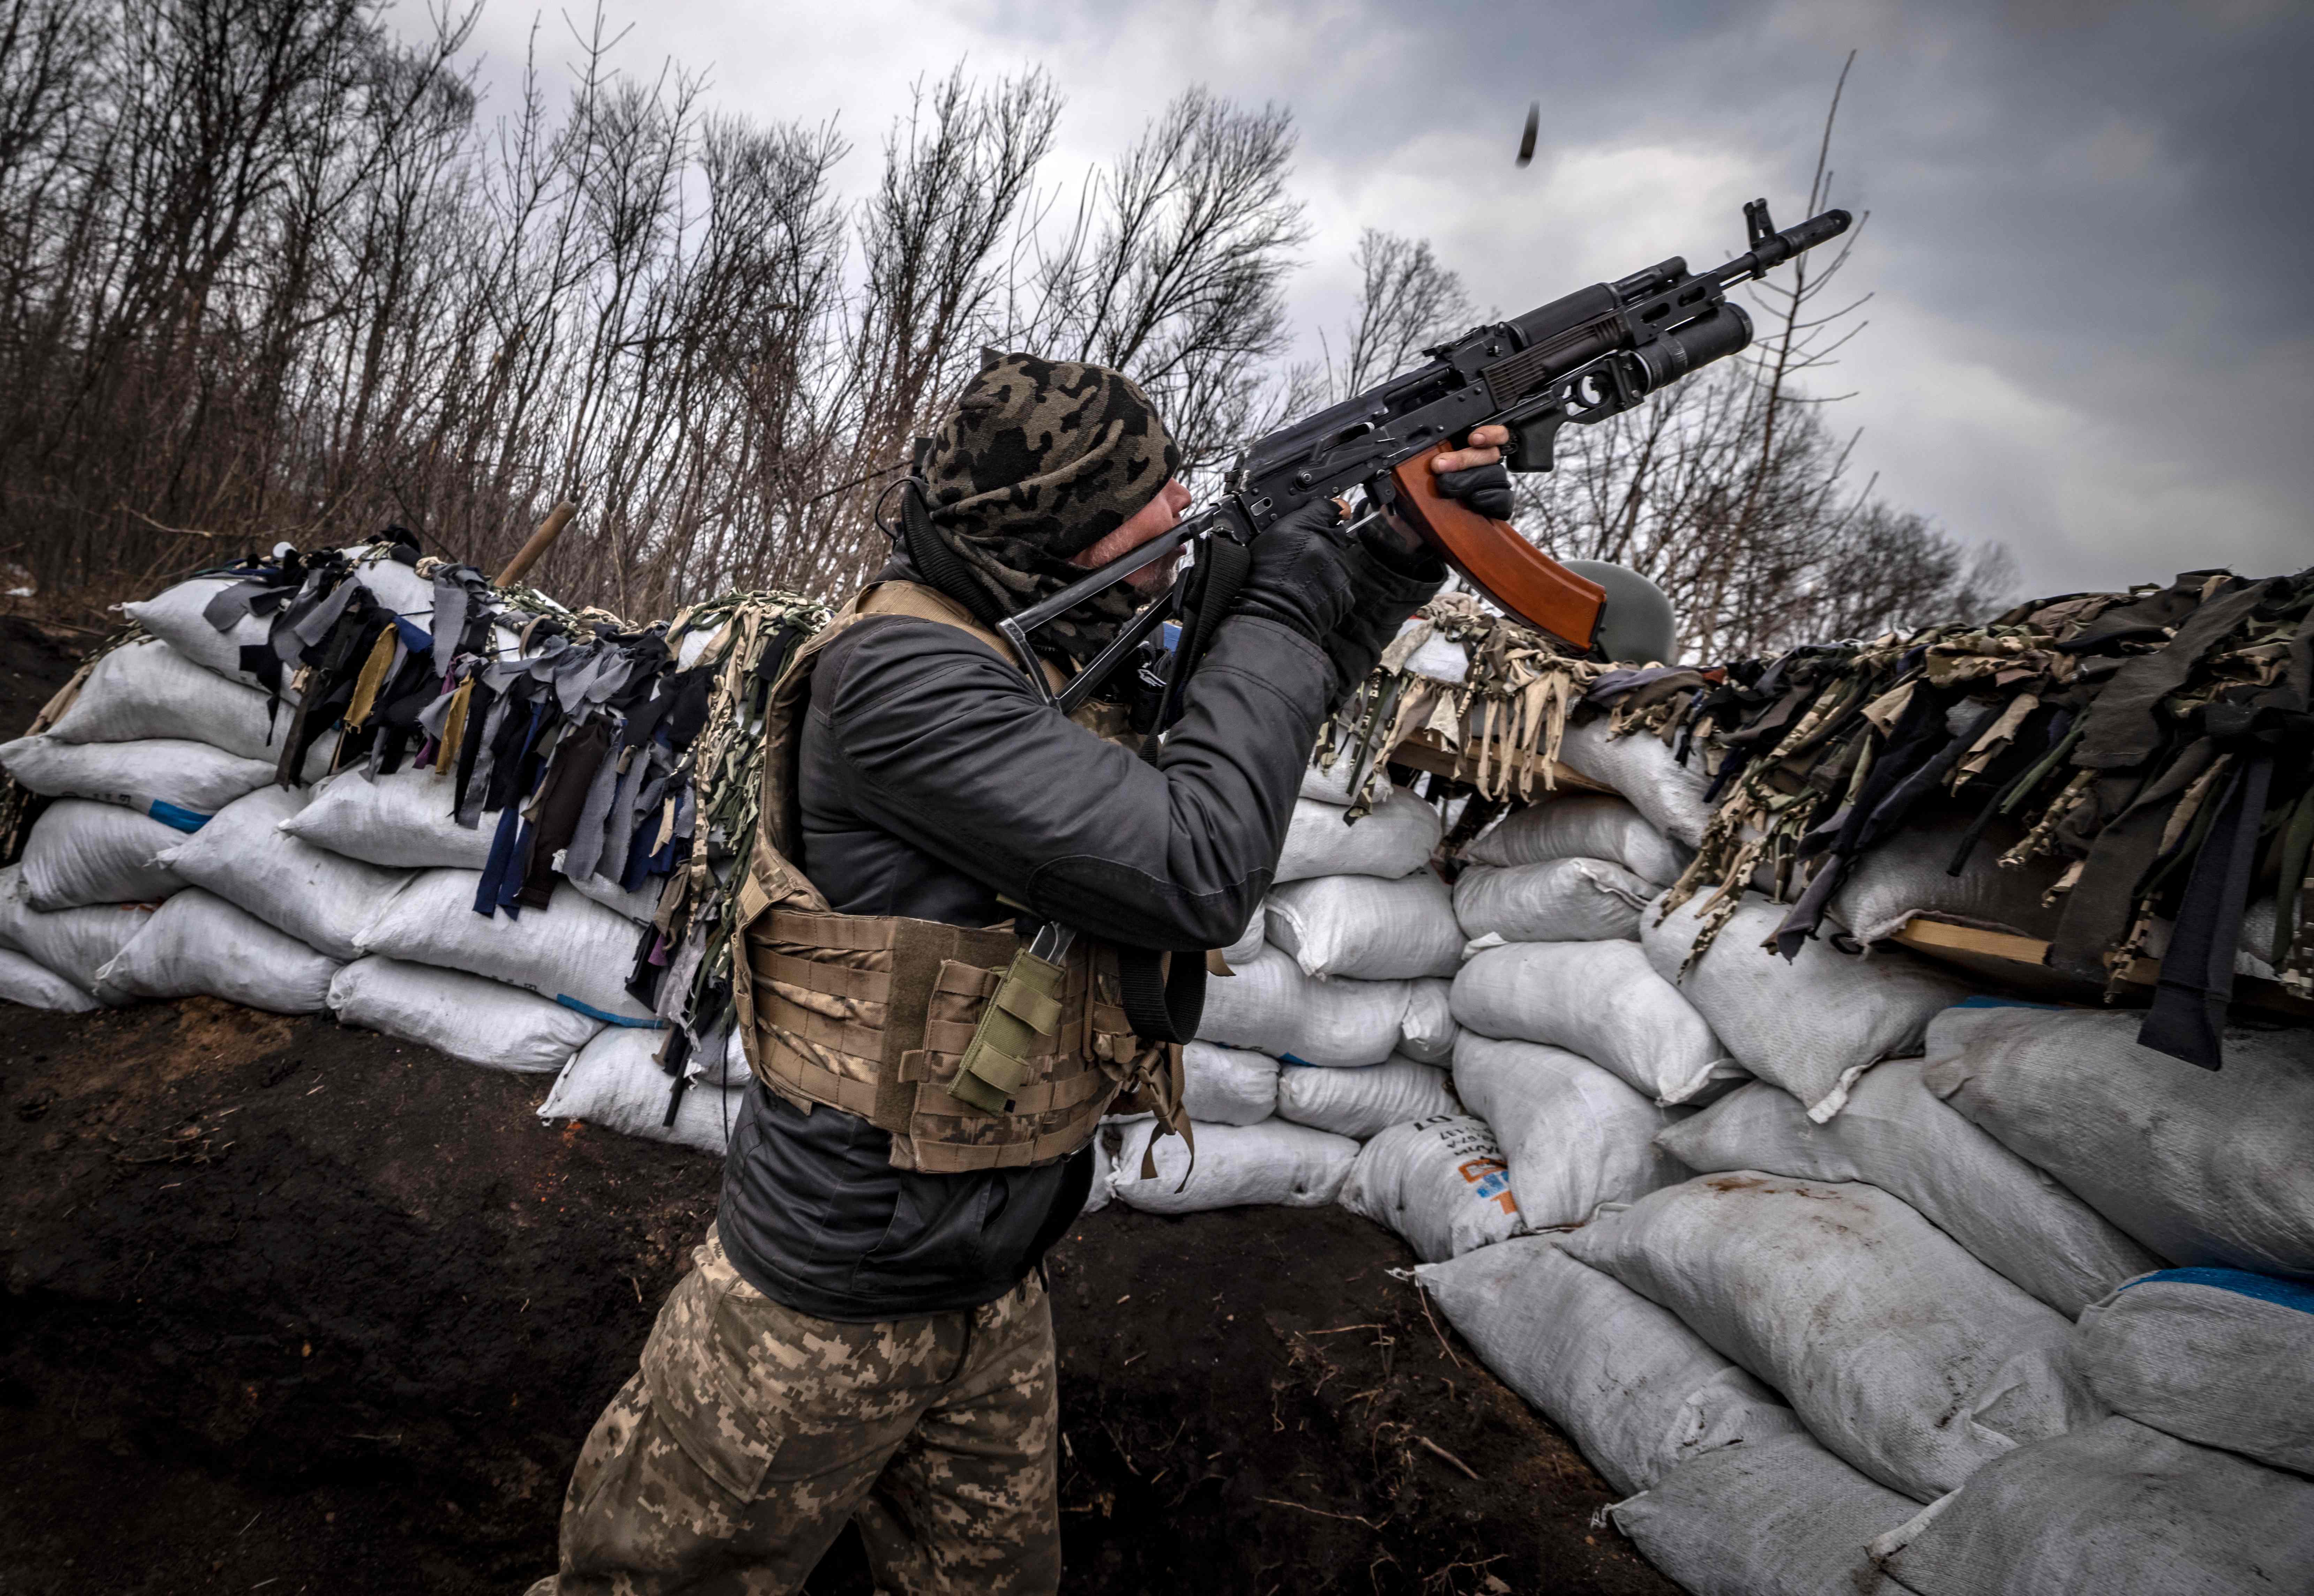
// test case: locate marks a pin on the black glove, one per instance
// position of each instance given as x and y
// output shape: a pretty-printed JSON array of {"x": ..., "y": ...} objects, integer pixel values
[
  {"x": 1301, "y": 576},
  {"x": 1391, "y": 582},
  {"x": 1485, "y": 489}
]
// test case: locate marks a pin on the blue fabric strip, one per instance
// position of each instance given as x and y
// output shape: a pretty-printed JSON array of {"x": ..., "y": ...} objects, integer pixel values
[
  {"x": 184, "y": 820},
  {"x": 591, "y": 1012},
  {"x": 2242, "y": 1283}
]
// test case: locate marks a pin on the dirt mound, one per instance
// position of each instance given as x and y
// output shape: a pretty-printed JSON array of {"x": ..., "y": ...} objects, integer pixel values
[{"x": 297, "y": 1306}]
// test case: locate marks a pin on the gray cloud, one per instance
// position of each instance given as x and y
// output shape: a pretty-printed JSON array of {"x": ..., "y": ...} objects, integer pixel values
[{"x": 2090, "y": 336}]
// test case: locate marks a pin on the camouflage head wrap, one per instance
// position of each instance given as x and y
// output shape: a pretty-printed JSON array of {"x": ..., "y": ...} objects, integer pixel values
[{"x": 1039, "y": 460}]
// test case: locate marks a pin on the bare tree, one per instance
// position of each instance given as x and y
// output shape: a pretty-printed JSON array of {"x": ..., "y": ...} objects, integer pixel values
[{"x": 1406, "y": 302}]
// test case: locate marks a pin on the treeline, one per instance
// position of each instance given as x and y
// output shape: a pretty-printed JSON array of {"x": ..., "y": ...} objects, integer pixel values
[{"x": 268, "y": 270}]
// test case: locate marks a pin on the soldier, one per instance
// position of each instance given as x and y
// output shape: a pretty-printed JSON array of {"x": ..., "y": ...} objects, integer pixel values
[{"x": 866, "y": 1336}]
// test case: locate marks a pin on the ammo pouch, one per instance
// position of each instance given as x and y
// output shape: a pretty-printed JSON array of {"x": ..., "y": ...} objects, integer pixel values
[{"x": 970, "y": 1051}]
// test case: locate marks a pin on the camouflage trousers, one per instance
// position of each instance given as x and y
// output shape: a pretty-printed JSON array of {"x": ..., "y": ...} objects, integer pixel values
[{"x": 733, "y": 1457}]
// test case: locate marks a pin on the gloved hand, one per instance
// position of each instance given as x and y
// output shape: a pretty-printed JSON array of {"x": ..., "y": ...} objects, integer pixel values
[
  {"x": 1301, "y": 576},
  {"x": 1485, "y": 489},
  {"x": 1392, "y": 581}
]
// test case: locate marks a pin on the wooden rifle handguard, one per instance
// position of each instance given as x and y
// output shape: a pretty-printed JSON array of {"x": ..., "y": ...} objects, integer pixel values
[{"x": 1494, "y": 559}]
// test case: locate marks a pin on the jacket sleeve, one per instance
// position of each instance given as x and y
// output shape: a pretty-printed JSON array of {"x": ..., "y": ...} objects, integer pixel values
[{"x": 944, "y": 744}]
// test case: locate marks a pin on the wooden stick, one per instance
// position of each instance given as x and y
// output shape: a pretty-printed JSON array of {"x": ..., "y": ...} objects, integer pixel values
[{"x": 539, "y": 542}]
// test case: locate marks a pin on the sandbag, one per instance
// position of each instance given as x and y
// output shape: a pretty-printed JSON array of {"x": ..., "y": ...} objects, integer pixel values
[
  {"x": 2201, "y": 1166},
  {"x": 1440, "y": 1183},
  {"x": 1904, "y": 875},
  {"x": 478, "y": 1021},
  {"x": 1366, "y": 927},
  {"x": 174, "y": 616},
  {"x": 146, "y": 690},
  {"x": 1895, "y": 1135},
  {"x": 1778, "y": 1517},
  {"x": 25, "y": 980},
  {"x": 245, "y": 858},
  {"x": 1631, "y": 1386},
  {"x": 1249, "y": 941},
  {"x": 1579, "y": 825},
  {"x": 180, "y": 782},
  {"x": 1903, "y": 1354},
  {"x": 640, "y": 904},
  {"x": 1426, "y": 1032},
  {"x": 81, "y": 853},
  {"x": 74, "y": 943},
  {"x": 1333, "y": 785},
  {"x": 574, "y": 951},
  {"x": 1557, "y": 900},
  {"x": 1365, "y": 1101},
  {"x": 1098, "y": 1195},
  {"x": 1228, "y": 1085},
  {"x": 1271, "y": 1005},
  {"x": 1668, "y": 794},
  {"x": 1576, "y": 1135},
  {"x": 1811, "y": 1025},
  {"x": 615, "y": 1082},
  {"x": 1273, "y": 1162},
  {"x": 402, "y": 821},
  {"x": 1600, "y": 1000},
  {"x": 197, "y": 945},
  {"x": 1396, "y": 839},
  {"x": 2117, "y": 1509},
  {"x": 2219, "y": 1356}
]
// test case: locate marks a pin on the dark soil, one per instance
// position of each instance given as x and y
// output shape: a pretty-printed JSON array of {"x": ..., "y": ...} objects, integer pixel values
[{"x": 294, "y": 1307}]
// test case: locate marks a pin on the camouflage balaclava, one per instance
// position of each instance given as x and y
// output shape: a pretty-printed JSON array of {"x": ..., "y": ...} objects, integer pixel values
[{"x": 1039, "y": 460}]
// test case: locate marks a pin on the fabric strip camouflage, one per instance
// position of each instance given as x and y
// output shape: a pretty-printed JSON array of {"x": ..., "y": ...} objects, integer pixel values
[{"x": 752, "y": 1434}]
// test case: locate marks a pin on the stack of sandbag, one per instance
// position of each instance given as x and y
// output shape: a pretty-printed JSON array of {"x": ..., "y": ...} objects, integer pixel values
[{"x": 1333, "y": 1028}]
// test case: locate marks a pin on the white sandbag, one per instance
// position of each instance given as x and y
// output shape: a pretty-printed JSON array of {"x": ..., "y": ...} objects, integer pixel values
[
  {"x": 1557, "y": 900},
  {"x": 81, "y": 853},
  {"x": 1396, "y": 839},
  {"x": 1600, "y": 1000},
  {"x": 1271, "y": 1005},
  {"x": 181, "y": 782},
  {"x": 398, "y": 586},
  {"x": 1576, "y": 1135},
  {"x": 1904, "y": 876},
  {"x": 1228, "y": 1085},
  {"x": 146, "y": 690},
  {"x": 1440, "y": 1183},
  {"x": 2203, "y": 1166},
  {"x": 1332, "y": 786},
  {"x": 482, "y": 1022},
  {"x": 197, "y": 945},
  {"x": 1631, "y": 1386},
  {"x": 402, "y": 821},
  {"x": 1811, "y": 1025},
  {"x": 2117, "y": 1509},
  {"x": 1778, "y": 1517},
  {"x": 1098, "y": 1195},
  {"x": 1579, "y": 825},
  {"x": 1668, "y": 794},
  {"x": 1273, "y": 1162},
  {"x": 74, "y": 943},
  {"x": 244, "y": 857},
  {"x": 1895, "y": 1135},
  {"x": 640, "y": 905},
  {"x": 1426, "y": 1031},
  {"x": 1249, "y": 941},
  {"x": 174, "y": 616},
  {"x": 2219, "y": 1356},
  {"x": 575, "y": 950},
  {"x": 25, "y": 980},
  {"x": 1364, "y": 1102},
  {"x": 1368, "y": 928},
  {"x": 615, "y": 1082},
  {"x": 1904, "y": 1354}
]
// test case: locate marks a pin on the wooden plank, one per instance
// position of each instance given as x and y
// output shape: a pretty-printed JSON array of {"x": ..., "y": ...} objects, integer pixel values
[
  {"x": 2021, "y": 962},
  {"x": 1418, "y": 752}
]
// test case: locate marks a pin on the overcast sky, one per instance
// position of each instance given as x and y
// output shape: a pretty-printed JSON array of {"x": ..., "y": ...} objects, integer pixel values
[{"x": 2090, "y": 337}]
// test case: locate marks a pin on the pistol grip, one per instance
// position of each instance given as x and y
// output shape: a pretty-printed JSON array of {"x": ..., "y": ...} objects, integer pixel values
[{"x": 1496, "y": 560}]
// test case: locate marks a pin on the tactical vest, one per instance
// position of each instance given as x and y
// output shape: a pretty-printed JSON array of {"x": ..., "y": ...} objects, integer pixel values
[{"x": 970, "y": 1051}]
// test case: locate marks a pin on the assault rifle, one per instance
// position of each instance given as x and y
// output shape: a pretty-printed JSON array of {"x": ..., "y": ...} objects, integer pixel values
[{"x": 1583, "y": 359}]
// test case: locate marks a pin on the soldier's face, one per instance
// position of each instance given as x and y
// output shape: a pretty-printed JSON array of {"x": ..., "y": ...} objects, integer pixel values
[{"x": 1160, "y": 516}]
